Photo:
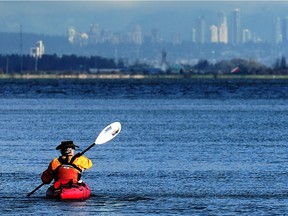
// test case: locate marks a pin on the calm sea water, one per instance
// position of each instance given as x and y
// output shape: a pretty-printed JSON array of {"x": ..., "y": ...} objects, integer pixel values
[{"x": 214, "y": 147}]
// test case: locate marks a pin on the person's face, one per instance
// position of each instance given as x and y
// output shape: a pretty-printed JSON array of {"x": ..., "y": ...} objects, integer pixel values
[{"x": 69, "y": 151}]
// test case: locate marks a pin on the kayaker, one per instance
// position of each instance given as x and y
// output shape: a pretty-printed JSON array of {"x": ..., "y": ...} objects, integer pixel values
[{"x": 67, "y": 168}]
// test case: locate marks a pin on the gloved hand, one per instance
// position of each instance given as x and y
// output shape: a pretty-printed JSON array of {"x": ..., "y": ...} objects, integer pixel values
[{"x": 47, "y": 177}]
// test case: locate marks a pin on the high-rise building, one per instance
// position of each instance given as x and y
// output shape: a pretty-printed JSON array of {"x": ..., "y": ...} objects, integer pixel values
[
  {"x": 247, "y": 36},
  {"x": 71, "y": 35},
  {"x": 277, "y": 31},
  {"x": 137, "y": 35},
  {"x": 214, "y": 34},
  {"x": 193, "y": 36},
  {"x": 200, "y": 30},
  {"x": 236, "y": 27},
  {"x": 94, "y": 34},
  {"x": 223, "y": 29}
]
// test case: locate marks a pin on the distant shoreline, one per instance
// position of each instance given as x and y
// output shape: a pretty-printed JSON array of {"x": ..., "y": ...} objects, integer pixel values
[{"x": 138, "y": 76}]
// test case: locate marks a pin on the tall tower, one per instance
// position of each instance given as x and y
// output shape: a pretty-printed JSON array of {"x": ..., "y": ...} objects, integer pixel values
[
  {"x": 193, "y": 35},
  {"x": 164, "y": 64},
  {"x": 246, "y": 36},
  {"x": 21, "y": 49},
  {"x": 163, "y": 57},
  {"x": 200, "y": 30},
  {"x": 71, "y": 35},
  {"x": 94, "y": 34},
  {"x": 214, "y": 34},
  {"x": 223, "y": 29},
  {"x": 137, "y": 35},
  {"x": 236, "y": 27}
]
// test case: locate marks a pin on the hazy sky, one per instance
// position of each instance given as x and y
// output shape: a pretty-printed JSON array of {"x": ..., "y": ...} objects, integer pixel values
[{"x": 55, "y": 17}]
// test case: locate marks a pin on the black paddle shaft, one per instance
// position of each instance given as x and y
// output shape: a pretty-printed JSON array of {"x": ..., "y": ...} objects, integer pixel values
[
  {"x": 28, "y": 195},
  {"x": 88, "y": 148}
]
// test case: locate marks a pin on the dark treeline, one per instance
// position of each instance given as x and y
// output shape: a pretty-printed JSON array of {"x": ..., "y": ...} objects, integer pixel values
[
  {"x": 79, "y": 64},
  {"x": 54, "y": 63}
]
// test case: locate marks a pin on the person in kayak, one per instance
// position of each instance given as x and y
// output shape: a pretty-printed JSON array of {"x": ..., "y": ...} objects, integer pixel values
[{"x": 67, "y": 168}]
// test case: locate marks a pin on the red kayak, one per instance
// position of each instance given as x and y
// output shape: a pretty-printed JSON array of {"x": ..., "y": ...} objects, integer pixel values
[{"x": 69, "y": 192}]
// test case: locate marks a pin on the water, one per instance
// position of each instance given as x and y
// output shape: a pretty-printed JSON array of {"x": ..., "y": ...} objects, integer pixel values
[{"x": 186, "y": 147}]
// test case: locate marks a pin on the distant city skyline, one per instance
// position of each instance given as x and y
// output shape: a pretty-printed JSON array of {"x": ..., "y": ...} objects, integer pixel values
[
  {"x": 225, "y": 29},
  {"x": 174, "y": 20}
]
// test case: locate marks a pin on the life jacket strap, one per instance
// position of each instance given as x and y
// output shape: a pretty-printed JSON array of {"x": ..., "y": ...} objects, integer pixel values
[
  {"x": 64, "y": 161},
  {"x": 67, "y": 170}
]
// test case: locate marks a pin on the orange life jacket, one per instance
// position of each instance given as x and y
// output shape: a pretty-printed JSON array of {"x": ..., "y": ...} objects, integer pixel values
[
  {"x": 67, "y": 173},
  {"x": 79, "y": 163}
]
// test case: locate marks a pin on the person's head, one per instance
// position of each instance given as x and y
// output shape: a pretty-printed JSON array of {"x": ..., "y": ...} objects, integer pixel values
[{"x": 67, "y": 148}]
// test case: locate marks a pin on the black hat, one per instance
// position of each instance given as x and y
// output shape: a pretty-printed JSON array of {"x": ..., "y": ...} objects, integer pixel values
[{"x": 67, "y": 144}]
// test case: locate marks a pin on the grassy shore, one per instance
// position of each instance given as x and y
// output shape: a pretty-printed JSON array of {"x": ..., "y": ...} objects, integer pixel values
[{"x": 137, "y": 76}]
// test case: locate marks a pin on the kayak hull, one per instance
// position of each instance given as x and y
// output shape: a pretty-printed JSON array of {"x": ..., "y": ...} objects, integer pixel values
[{"x": 69, "y": 192}]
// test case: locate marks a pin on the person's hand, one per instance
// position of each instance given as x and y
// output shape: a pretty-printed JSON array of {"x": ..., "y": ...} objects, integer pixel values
[{"x": 47, "y": 181}]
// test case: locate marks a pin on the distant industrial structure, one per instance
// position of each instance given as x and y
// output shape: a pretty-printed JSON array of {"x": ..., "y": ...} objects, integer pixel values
[{"x": 37, "y": 51}]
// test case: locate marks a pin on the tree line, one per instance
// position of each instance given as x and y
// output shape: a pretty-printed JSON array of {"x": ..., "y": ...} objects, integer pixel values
[
  {"x": 79, "y": 64},
  {"x": 54, "y": 63}
]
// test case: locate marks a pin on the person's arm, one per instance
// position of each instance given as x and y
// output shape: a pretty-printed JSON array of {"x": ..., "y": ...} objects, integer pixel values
[
  {"x": 83, "y": 162},
  {"x": 47, "y": 176}
]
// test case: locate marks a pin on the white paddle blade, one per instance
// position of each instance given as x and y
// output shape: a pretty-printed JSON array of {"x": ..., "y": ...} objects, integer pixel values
[{"x": 108, "y": 133}]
